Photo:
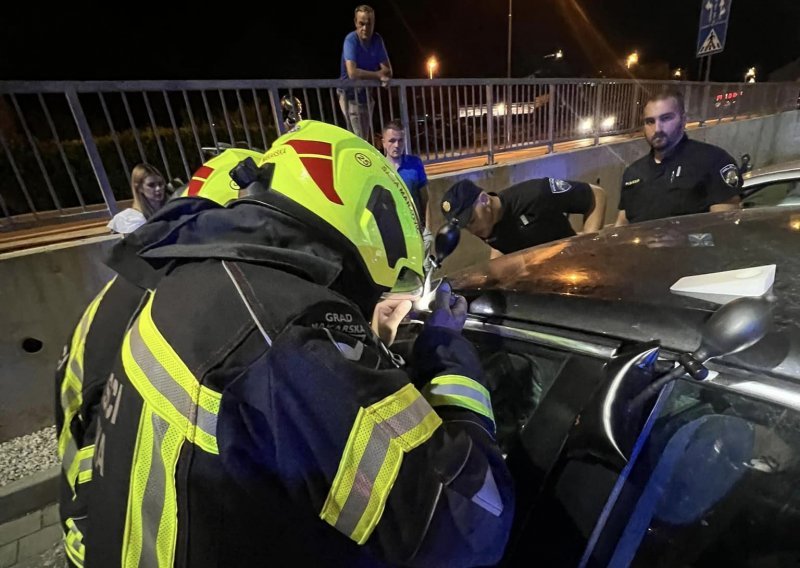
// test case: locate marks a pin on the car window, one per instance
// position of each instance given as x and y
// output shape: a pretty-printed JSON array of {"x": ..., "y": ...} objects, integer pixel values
[
  {"x": 775, "y": 193},
  {"x": 714, "y": 485},
  {"x": 518, "y": 377}
]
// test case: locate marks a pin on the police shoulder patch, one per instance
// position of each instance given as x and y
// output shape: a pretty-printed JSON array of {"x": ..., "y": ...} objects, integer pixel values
[
  {"x": 730, "y": 175},
  {"x": 559, "y": 185}
]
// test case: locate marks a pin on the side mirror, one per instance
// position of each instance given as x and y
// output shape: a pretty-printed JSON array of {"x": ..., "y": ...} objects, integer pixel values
[
  {"x": 447, "y": 238},
  {"x": 446, "y": 241},
  {"x": 746, "y": 164}
]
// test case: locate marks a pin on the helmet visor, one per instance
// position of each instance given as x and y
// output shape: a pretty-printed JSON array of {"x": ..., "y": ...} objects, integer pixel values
[{"x": 408, "y": 283}]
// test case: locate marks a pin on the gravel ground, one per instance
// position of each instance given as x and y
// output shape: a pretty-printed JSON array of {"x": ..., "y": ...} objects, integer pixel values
[{"x": 28, "y": 454}]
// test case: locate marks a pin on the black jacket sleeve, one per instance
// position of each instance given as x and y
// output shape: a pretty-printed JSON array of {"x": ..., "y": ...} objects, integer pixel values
[{"x": 451, "y": 503}]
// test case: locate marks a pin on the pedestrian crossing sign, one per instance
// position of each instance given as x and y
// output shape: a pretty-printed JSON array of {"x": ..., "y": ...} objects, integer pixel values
[{"x": 711, "y": 44}]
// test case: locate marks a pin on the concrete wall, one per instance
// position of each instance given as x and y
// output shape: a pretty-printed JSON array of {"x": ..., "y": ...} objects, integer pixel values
[
  {"x": 768, "y": 140},
  {"x": 43, "y": 292}
]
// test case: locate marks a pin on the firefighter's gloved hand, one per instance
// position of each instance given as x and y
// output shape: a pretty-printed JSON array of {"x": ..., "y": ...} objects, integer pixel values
[{"x": 449, "y": 310}]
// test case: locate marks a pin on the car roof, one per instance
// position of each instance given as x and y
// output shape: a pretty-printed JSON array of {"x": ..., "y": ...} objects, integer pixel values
[
  {"x": 782, "y": 168},
  {"x": 617, "y": 283}
]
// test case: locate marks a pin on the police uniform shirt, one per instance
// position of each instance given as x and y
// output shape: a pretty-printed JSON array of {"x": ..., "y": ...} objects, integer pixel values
[
  {"x": 689, "y": 180},
  {"x": 534, "y": 212}
]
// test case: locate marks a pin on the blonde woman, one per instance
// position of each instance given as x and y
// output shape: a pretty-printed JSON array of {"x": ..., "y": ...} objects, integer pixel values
[{"x": 148, "y": 189}]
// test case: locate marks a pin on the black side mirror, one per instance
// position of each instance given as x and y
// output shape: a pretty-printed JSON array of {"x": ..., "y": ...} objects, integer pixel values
[
  {"x": 732, "y": 328},
  {"x": 445, "y": 242},
  {"x": 447, "y": 239},
  {"x": 746, "y": 164}
]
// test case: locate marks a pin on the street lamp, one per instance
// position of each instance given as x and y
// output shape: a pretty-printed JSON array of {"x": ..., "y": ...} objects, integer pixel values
[
  {"x": 678, "y": 73},
  {"x": 632, "y": 60},
  {"x": 557, "y": 55},
  {"x": 432, "y": 64},
  {"x": 750, "y": 76}
]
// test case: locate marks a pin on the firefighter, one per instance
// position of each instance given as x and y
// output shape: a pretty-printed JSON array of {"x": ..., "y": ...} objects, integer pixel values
[{"x": 253, "y": 417}]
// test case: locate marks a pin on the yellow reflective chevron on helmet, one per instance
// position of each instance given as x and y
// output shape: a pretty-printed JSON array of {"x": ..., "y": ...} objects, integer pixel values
[{"x": 334, "y": 174}]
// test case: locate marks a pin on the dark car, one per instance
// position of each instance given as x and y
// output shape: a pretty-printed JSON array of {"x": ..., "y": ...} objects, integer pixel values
[{"x": 706, "y": 473}]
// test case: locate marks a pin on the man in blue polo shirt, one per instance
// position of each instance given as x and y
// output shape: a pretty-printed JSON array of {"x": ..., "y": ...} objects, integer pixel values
[
  {"x": 363, "y": 57},
  {"x": 410, "y": 168}
]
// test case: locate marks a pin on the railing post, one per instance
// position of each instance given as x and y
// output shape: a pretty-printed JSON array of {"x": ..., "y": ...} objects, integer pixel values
[
  {"x": 91, "y": 150},
  {"x": 404, "y": 117},
  {"x": 509, "y": 116},
  {"x": 551, "y": 117},
  {"x": 706, "y": 96},
  {"x": 490, "y": 124},
  {"x": 597, "y": 101},
  {"x": 635, "y": 107},
  {"x": 687, "y": 99},
  {"x": 277, "y": 113}
]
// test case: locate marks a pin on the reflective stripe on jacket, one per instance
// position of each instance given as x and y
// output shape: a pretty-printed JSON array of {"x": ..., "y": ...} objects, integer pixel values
[{"x": 252, "y": 418}]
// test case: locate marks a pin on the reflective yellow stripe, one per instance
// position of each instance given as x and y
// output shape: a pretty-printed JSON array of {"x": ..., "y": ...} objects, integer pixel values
[
  {"x": 73, "y": 543},
  {"x": 457, "y": 390},
  {"x": 77, "y": 464},
  {"x": 151, "y": 525},
  {"x": 166, "y": 383},
  {"x": 371, "y": 460},
  {"x": 72, "y": 386},
  {"x": 176, "y": 408}
]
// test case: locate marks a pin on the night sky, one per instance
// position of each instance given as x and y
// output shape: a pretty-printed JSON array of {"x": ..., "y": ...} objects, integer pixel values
[{"x": 303, "y": 40}]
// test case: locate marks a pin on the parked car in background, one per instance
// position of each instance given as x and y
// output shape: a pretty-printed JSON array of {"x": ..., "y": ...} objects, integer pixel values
[
  {"x": 778, "y": 184},
  {"x": 571, "y": 332}
]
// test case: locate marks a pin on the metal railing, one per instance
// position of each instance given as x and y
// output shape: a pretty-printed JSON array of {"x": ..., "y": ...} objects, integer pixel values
[{"x": 68, "y": 147}]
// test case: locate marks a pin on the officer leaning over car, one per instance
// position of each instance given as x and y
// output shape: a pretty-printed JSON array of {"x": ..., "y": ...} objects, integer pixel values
[
  {"x": 679, "y": 176},
  {"x": 252, "y": 417},
  {"x": 525, "y": 214}
]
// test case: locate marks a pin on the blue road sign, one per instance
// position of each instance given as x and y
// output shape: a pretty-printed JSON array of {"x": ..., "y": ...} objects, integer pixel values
[{"x": 714, "y": 16}]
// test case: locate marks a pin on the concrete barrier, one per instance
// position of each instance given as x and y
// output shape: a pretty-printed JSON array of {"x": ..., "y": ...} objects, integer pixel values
[{"x": 43, "y": 292}]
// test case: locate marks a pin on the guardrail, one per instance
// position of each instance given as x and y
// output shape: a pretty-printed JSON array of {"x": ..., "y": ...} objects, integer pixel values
[{"x": 68, "y": 147}]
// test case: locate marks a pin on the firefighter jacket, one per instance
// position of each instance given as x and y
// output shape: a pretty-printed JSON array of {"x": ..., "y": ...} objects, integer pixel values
[
  {"x": 252, "y": 418},
  {"x": 86, "y": 362}
]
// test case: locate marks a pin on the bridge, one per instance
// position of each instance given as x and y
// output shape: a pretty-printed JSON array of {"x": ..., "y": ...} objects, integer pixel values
[{"x": 68, "y": 148}]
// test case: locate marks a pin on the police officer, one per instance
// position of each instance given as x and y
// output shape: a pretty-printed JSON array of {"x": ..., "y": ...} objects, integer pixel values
[
  {"x": 526, "y": 214},
  {"x": 679, "y": 176},
  {"x": 252, "y": 416}
]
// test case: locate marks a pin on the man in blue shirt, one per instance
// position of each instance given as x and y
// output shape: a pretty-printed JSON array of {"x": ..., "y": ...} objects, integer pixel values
[
  {"x": 363, "y": 57},
  {"x": 411, "y": 170}
]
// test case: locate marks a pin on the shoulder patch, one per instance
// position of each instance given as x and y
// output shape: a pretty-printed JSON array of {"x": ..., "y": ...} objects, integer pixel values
[
  {"x": 730, "y": 175},
  {"x": 632, "y": 182},
  {"x": 559, "y": 185}
]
